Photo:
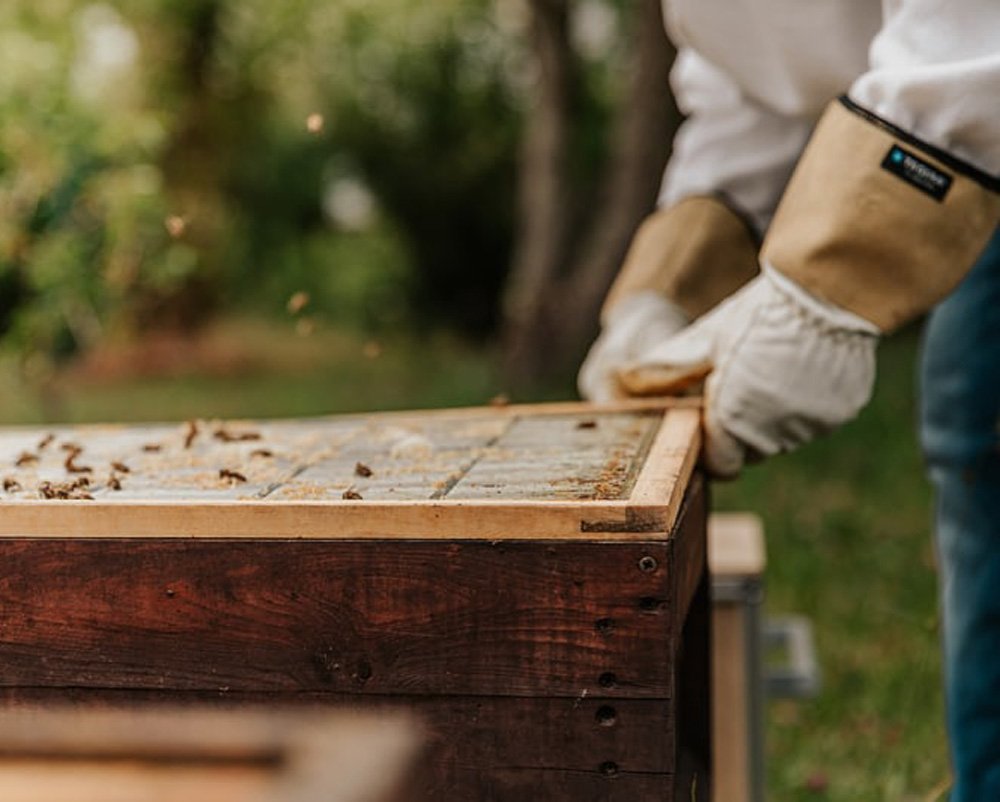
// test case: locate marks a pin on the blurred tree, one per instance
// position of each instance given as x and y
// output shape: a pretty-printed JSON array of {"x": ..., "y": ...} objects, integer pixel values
[
  {"x": 572, "y": 241},
  {"x": 418, "y": 110},
  {"x": 181, "y": 41},
  {"x": 155, "y": 162},
  {"x": 446, "y": 177}
]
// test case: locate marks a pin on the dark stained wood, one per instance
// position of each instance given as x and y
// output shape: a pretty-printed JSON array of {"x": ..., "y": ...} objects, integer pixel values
[
  {"x": 690, "y": 548},
  {"x": 511, "y": 619},
  {"x": 692, "y": 611},
  {"x": 452, "y": 768},
  {"x": 470, "y": 784},
  {"x": 693, "y": 702},
  {"x": 507, "y": 734}
]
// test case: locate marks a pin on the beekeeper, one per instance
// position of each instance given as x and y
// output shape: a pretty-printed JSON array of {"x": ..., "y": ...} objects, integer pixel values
[{"x": 837, "y": 176}]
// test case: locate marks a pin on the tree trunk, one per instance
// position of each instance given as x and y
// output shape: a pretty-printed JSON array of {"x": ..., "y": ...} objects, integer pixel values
[
  {"x": 544, "y": 192},
  {"x": 194, "y": 165},
  {"x": 646, "y": 123},
  {"x": 552, "y": 318}
]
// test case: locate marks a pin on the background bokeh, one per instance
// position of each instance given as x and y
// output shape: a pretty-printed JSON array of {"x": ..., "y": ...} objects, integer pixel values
[
  {"x": 244, "y": 208},
  {"x": 468, "y": 168}
]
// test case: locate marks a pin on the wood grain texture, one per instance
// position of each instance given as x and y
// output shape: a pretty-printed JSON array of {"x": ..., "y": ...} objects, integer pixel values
[
  {"x": 547, "y": 670},
  {"x": 482, "y": 749},
  {"x": 515, "y": 618},
  {"x": 689, "y": 549},
  {"x": 730, "y": 712},
  {"x": 663, "y": 479},
  {"x": 276, "y": 520},
  {"x": 519, "y": 785},
  {"x": 502, "y": 733}
]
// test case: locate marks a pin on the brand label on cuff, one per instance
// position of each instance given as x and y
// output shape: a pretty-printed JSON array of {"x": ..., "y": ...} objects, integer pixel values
[{"x": 917, "y": 172}]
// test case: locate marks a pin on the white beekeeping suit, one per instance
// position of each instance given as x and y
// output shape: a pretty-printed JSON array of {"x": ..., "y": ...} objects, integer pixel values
[
  {"x": 754, "y": 76},
  {"x": 863, "y": 139}
]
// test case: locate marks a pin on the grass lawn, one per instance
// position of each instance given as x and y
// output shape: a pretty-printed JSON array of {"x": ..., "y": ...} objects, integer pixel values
[
  {"x": 242, "y": 369},
  {"x": 847, "y": 521},
  {"x": 849, "y": 542}
]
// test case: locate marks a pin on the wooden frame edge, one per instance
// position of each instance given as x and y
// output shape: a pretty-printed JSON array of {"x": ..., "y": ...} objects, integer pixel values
[
  {"x": 659, "y": 489},
  {"x": 651, "y": 508},
  {"x": 305, "y": 520}
]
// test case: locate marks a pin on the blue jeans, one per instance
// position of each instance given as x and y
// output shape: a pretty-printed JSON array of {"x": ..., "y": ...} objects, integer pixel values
[{"x": 960, "y": 416}]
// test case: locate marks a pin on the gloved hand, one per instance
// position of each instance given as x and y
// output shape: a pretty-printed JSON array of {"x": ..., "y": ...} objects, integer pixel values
[
  {"x": 632, "y": 327},
  {"x": 787, "y": 366},
  {"x": 682, "y": 261}
]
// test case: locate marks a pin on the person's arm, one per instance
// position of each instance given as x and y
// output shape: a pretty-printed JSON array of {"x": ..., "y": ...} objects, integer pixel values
[
  {"x": 897, "y": 193},
  {"x": 732, "y": 145},
  {"x": 894, "y": 198},
  {"x": 731, "y": 160}
]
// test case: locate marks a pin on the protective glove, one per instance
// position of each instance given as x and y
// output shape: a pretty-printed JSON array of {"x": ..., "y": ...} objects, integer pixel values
[
  {"x": 787, "y": 366},
  {"x": 683, "y": 260},
  {"x": 631, "y": 328},
  {"x": 874, "y": 228}
]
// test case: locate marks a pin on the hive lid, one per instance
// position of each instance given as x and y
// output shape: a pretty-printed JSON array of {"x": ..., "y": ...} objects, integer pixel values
[{"x": 516, "y": 472}]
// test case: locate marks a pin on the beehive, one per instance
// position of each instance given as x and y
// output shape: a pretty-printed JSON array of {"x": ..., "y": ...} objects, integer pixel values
[
  {"x": 530, "y": 580},
  {"x": 184, "y": 755}
]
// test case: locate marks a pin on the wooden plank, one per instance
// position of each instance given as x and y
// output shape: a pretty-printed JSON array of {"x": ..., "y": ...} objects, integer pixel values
[
  {"x": 410, "y": 617},
  {"x": 736, "y": 545},
  {"x": 693, "y": 702},
  {"x": 558, "y": 408},
  {"x": 661, "y": 484},
  {"x": 53, "y": 780},
  {"x": 517, "y": 785},
  {"x": 63, "y": 755},
  {"x": 496, "y": 732},
  {"x": 689, "y": 548},
  {"x": 736, "y": 552},
  {"x": 334, "y": 520},
  {"x": 491, "y": 748},
  {"x": 730, "y": 705},
  {"x": 72, "y": 782},
  {"x": 691, "y": 608}
]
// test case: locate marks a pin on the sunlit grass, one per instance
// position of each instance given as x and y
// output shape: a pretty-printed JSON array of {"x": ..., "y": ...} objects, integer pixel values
[
  {"x": 849, "y": 542},
  {"x": 245, "y": 369}
]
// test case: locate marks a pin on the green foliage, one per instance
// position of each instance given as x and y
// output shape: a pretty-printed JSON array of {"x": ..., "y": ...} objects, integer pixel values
[
  {"x": 81, "y": 202},
  {"x": 420, "y": 110},
  {"x": 116, "y": 116}
]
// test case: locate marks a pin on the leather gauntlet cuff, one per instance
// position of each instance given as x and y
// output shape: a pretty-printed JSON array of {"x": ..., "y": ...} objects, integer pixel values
[
  {"x": 695, "y": 253},
  {"x": 878, "y": 222}
]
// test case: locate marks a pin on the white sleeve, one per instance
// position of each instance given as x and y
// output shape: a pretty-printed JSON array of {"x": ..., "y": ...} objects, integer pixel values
[
  {"x": 935, "y": 73},
  {"x": 730, "y": 145}
]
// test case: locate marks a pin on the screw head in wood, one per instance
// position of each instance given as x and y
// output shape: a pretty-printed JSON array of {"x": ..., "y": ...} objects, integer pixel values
[{"x": 648, "y": 564}]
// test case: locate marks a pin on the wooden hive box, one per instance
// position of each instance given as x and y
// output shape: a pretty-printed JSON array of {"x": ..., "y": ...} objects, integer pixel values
[
  {"x": 185, "y": 755},
  {"x": 530, "y": 580}
]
